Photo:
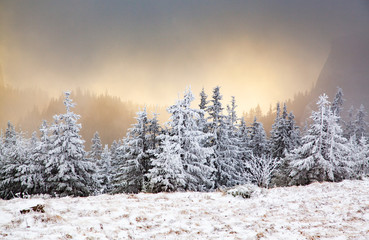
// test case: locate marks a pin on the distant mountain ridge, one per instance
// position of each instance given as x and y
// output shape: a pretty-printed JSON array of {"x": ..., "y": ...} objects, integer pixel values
[{"x": 347, "y": 67}]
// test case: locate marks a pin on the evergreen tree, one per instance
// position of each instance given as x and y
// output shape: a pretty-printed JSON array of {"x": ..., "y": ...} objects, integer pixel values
[
  {"x": 95, "y": 158},
  {"x": 96, "y": 148},
  {"x": 349, "y": 130},
  {"x": 67, "y": 170},
  {"x": 215, "y": 111},
  {"x": 225, "y": 159},
  {"x": 258, "y": 140},
  {"x": 32, "y": 169},
  {"x": 293, "y": 132},
  {"x": 168, "y": 173},
  {"x": 359, "y": 157},
  {"x": 41, "y": 156},
  {"x": 136, "y": 156},
  {"x": 114, "y": 157},
  {"x": 279, "y": 135},
  {"x": 184, "y": 140},
  {"x": 284, "y": 138},
  {"x": 337, "y": 103},
  {"x": 361, "y": 125},
  {"x": 322, "y": 154},
  {"x": 105, "y": 180},
  {"x": 13, "y": 157},
  {"x": 235, "y": 144},
  {"x": 203, "y": 106},
  {"x": 154, "y": 130},
  {"x": 362, "y": 158},
  {"x": 243, "y": 141},
  {"x": 118, "y": 163}
]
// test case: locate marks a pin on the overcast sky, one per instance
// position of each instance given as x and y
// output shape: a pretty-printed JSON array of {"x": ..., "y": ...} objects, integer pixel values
[{"x": 149, "y": 51}]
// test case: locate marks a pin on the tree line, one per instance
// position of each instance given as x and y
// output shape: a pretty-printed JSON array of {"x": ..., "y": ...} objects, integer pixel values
[{"x": 198, "y": 149}]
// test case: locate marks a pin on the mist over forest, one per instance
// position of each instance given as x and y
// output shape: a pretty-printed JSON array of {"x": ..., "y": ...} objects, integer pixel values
[{"x": 346, "y": 67}]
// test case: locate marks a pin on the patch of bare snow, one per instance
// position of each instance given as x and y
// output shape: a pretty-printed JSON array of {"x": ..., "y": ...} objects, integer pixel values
[{"x": 316, "y": 211}]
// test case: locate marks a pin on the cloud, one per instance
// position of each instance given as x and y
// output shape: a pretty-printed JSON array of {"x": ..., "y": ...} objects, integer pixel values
[{"x": 260, "y": 51}]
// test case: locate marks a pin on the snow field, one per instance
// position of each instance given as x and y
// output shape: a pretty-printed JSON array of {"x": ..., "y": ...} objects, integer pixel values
[{"x": 316, "y": 211}]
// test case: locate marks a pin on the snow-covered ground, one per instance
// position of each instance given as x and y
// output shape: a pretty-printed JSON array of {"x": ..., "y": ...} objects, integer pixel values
[{"x": 317, "y": 211}]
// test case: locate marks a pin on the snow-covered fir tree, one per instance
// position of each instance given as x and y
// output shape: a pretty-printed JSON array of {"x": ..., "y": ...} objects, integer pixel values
[
  {"x": 105, "y": 168},
  {"x": 136, "y": 159},
  {"x": 294, "y": 132},
  {"x": 279, "y": 135},
  {"x": 215, "y": 110},
  {"x": 41, "y": 155},
  {"x": 338, "y": 103},
  {"x": 203, "y": 124},
  {"x": 323, "y": 154},
  {"x": 185, "y": 141},
  {"x": 13, "y": 159},
  {"x": 360, "y": 123},
  {"x": 114, "y": 156},
  {"x": 96, "y": 148},
  {"x": 225, "y": 159},
  {"x": 31, "y": 172},
  {"x": 284, "y": 137},
  {"x": 359, "y": 157},
  {"x": 167, "y": 174},
  {"x": 349, "y": 124},
  {"x": 95, "y": 157},
  {"x": 154, "y": 130},
  {"x": 258, "y": 140},
  {"x": 67, "y": 170},
  {"x": 243, "y": 141},
  {"x": 234, "y": 143}
]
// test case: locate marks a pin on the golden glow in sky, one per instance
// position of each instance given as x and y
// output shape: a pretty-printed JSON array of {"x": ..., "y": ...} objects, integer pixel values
[{"x": 260, "y": 52}]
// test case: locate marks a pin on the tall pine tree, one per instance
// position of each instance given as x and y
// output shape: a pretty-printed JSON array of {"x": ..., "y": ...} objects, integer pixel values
[
  {"x": 67, "y": 171},
  {"x": 322, "y": 156}
]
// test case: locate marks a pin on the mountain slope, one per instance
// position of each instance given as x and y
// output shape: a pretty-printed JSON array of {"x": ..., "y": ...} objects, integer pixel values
[{"x": 347, "y": 67}]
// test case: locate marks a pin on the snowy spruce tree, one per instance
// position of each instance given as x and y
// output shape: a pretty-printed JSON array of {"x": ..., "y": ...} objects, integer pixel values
[
  {"x": 360, "y": 123},
  {"x": 323, "y": 154},
  {"x": 243, "y": 141},
  {"x": 67, "y": 171},
  {"x": 203, "y": 124},
  {"x": 114, "y": 157},
  {"x": 154, "y": 130},
  {"x": 96, "y": 148},
  {"x": 235, "y": 144},
  {"x": 40, "y": 156},
  {"x": 167, "y": 174},
  {"x": 258, "y": 140},
  {"x": 225, "y": 159},
  {"x": 359, "y": 157},
  {"x": 284, "y": 137},
  {"x": 183, "y": 149},
  {"x": 31, "y": 171},
  {"x": 279, "y": 136},
  {"x": 105, "y": 168},
  {"x": 12, "y": 162},
  {"x": 337, "y": 104},
  {"x": 95, "y": 157},
  {"x": 349, "y": 124},
  {"x": 135, "y": 162}
]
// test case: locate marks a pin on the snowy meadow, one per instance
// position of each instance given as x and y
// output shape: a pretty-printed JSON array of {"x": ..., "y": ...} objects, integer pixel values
[{"x": 316, "y": 211}]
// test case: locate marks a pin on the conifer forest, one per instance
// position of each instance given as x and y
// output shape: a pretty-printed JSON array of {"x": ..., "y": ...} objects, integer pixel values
[{"x": 204, "y": 146}]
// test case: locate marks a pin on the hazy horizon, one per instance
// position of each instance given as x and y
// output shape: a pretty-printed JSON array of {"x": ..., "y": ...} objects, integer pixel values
[{"x": 261, "y": 52}]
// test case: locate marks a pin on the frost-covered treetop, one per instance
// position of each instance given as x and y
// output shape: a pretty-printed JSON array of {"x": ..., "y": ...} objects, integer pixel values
[{"x": 68, "y": 102}]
